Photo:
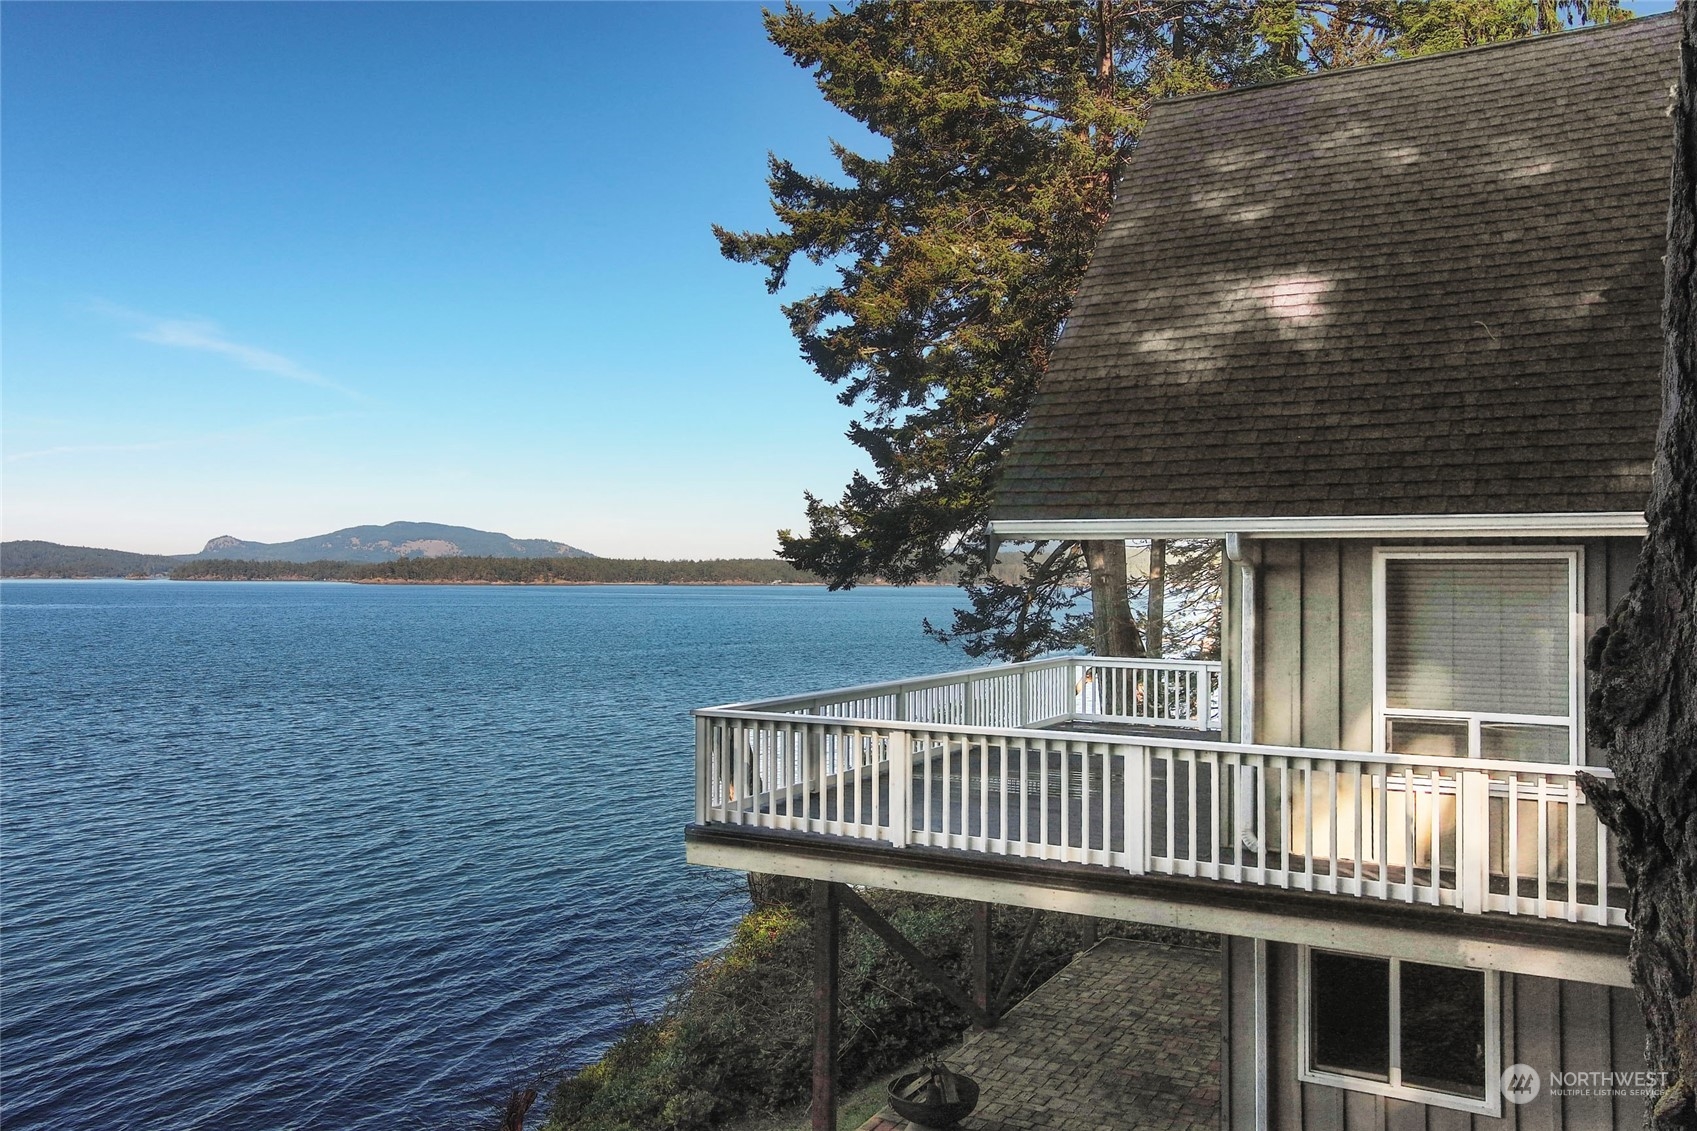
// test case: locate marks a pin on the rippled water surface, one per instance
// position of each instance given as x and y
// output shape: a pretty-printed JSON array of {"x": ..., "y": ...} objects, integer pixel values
[{"x": 345, "y": 856}]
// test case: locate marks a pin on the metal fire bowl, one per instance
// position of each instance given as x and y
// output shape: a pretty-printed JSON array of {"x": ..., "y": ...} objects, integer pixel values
[{"x": 933, "y": 1115}]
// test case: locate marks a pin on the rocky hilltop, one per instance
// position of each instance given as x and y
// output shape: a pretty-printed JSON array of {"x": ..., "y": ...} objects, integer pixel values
[{"x": 388, "y": 543}]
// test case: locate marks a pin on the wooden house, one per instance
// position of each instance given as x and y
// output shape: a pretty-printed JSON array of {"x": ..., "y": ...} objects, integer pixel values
[{"x": 1392, "y": 336}]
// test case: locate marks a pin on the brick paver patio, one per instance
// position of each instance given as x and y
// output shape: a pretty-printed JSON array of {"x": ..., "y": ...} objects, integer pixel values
[{"x": 1126, "y": 1037}]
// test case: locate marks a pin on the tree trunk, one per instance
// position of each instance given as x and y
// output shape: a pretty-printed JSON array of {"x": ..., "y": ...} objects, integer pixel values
[
  {"x": 1116, "y": 632},
  {"x": 1644, "y": 704},
  {"x": 1154, "y": 625}
]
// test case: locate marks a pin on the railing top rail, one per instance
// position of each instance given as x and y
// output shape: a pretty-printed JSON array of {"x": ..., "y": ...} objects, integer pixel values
[
  {"x": 944, "y": 679},
  {"x": 1404, "y": 761},
  {"x": 886, "y": 687},
  {"x": 1143, "y": 662}
]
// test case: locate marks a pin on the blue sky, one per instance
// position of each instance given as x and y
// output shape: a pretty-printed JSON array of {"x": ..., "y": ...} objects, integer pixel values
[{"x": 271, "y": 270}]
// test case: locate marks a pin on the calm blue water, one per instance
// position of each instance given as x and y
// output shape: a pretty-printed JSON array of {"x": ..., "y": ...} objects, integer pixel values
[{"x": 341, "y": 856}]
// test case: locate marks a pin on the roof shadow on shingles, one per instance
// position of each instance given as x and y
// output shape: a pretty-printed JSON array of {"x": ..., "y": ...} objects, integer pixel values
[{"x": 1430, "y": 287}]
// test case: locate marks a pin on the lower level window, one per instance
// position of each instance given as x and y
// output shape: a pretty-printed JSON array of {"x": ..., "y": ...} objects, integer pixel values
[{"x": 1385, "y": 1025}]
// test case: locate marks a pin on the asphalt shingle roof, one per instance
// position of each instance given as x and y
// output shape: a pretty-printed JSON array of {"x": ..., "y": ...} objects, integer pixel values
[{"x": 1427, "y": 287}]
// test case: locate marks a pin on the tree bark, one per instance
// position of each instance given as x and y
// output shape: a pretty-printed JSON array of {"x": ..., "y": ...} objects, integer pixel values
[
  {"x": 1154, "y": 625},
  {"x": 1116, "y": 632},
  {"x": 1643, "y": 706}
]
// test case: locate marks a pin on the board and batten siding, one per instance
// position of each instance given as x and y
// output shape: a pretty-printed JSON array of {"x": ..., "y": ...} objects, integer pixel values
[
  {"x": 1547, "y": 1024},
  {"x": 1314, "y": 660}
]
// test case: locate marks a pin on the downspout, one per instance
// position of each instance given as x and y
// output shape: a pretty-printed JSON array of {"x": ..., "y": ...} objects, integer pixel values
[{"x": 1246, "y": 555}]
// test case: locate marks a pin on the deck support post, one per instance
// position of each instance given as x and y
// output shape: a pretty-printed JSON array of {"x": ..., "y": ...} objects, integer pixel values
[
  {"x": 825, "y": 897},
  {"x": 981, "y": 964}
]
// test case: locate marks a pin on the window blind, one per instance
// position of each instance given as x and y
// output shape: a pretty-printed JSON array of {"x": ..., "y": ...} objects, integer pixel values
[{"x": 1477, "y": 634}]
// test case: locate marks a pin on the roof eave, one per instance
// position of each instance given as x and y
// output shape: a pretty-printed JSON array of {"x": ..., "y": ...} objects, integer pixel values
[{"x": 1595, "y": 524}]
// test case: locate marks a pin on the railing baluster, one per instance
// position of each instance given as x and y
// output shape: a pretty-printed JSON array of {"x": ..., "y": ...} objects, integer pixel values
[
  {"x": 1511, "y": 856},
  {"x": 1602, "y": 915},
  {"x": 900, "y": 786},
  {"x": 949, "y": 785},
  {"x": 1024, "y": 797},
  {"x": 1002, "y": 796},
  {"x": 925, "y": 826},
  {"x": 1306, "y": 768},
  {"x": 1472, "y": 839},
  {"x": 840, "y": 766},
  {"x": 1136, "y": 805},
  {"x": 1543, "y": 851},
  {"x": 1437, "y": 834},
  {"x": 811, "y": 741},
  {"x": 1169, "y": 830},
  {"x": 1382, "y": 816},
  {"x": 1258, "y": 821},
  {"x": 1355, "y": 864},
  {"x": 1064, "y": 784},
  {"x": 1214, "y": 815},
  {"x": 1084, "y": 802},
  {"x": 1572, "y": 850},
  {"x": 1043, "y": 798},
  {"x": 1410, "y": 812},
  {"x": 1333, "y": 833}
]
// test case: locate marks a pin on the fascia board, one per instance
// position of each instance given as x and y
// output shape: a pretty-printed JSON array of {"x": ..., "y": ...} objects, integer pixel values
[{"x": 1564, "y": 525}]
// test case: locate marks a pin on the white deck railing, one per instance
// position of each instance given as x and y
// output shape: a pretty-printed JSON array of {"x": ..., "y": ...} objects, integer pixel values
[
  {"x": 1479, "y": 836},
  {"x": 1164, "y": 693}
]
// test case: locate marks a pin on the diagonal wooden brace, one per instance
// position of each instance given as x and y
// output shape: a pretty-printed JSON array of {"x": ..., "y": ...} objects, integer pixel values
[
  {"x": 1013, "y": 965},
  {"x": 927, "y": 968}
]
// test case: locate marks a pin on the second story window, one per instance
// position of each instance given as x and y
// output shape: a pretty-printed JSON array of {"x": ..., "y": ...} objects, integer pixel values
[{"x": 1476, "y": 654}]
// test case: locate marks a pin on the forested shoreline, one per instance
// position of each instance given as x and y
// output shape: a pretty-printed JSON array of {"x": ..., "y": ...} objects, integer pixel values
[{"x": 507, "y": 571}]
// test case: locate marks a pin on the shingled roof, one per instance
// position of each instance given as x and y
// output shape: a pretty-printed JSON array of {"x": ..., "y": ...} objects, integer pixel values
[{"x": 1421, "y": 288}]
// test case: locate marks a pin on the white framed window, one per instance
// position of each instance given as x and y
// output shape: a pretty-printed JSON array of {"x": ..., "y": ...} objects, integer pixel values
[
  {"x": 1477, "y": 653},
  {"x": 1391, "y": 1027}
]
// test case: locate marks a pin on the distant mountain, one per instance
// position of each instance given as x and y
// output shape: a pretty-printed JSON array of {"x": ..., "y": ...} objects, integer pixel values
[
  {"x": 49, "y": 559},
  {"x": 387, "y": 543}
]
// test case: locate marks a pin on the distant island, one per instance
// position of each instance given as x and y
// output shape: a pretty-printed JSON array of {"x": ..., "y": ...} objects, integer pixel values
[
  {"x": 391, "y": 542},
  {"x": 404, "y": 563}
]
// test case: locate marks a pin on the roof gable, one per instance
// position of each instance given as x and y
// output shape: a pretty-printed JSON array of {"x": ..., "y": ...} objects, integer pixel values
[{"x": 1429, "y": 287}]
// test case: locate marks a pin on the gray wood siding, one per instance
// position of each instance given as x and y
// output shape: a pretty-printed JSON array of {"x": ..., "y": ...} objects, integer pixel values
[
  {"x": 1547, "y": 1024},
  {"x": 1314, "y": 650},
  {"x": 1316, "y": 644}
]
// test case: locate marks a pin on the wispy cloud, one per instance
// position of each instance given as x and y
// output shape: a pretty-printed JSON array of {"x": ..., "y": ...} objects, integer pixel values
[
  {"x": 205, "y": 439},
  {"x": 85, "y": 449},
  {"x": 208, "y": 337}
]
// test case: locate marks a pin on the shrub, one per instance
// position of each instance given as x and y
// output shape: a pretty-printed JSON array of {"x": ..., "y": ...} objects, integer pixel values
[{"x": 737, "y": 1037}]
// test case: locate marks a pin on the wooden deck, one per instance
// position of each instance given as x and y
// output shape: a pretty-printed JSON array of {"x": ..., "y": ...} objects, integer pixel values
[{"x": 1117, "y": 764}]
